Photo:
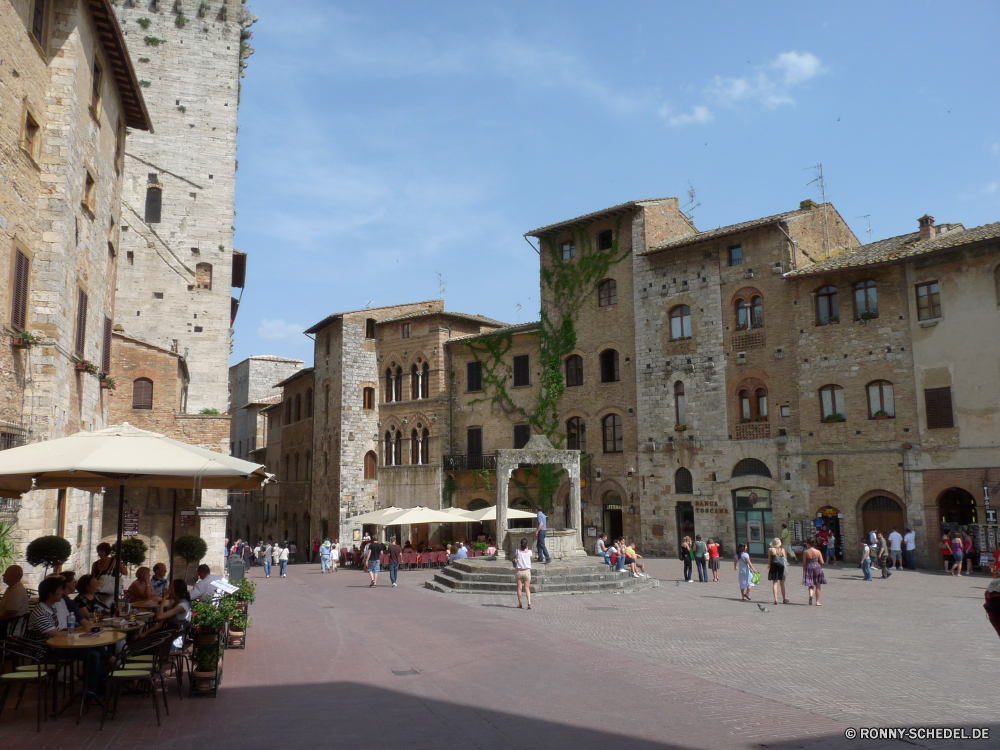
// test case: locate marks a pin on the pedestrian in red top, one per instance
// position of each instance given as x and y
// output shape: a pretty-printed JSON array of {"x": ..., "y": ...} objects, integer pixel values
[
  {"x": 315, "y": 550},
  {"x": 713, "y": 559}
]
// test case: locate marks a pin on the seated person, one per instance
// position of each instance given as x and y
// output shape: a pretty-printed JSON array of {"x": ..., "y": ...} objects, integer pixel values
[
  {"x": 82, "y": 615},
  {"x": 407, "y": 547},
  {"x": 600, "y": 548},
  {"x": 88, "y": 599},
  {"x": 179, "y": 613},
  {"x": 632, "y": 559},
  {"x": 45, "y": 623},
  {"x": 141, "y": 588},
  {"x": 14, "y": 602},
  {"x": 204, "y": 590},
  {"x": 159, "y": 579}
]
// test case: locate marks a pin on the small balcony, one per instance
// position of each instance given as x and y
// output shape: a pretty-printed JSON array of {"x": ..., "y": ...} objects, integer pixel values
[{"x": 486, "y": 462}]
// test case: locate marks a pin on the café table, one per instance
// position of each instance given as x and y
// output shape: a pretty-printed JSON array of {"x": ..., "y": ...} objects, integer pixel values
[
  {"x": 147, "y": 604},
  {"x": 84, "y": 641}
]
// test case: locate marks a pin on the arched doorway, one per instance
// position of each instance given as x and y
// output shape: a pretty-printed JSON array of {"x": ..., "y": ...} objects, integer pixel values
[
  {"x": 613, "y": 526},
  {"x": 882, "y": 513},
  {"x": 830, "y": 517},
  {"x": 956, "y": 507},
  {"x": 754, "y": 517}
]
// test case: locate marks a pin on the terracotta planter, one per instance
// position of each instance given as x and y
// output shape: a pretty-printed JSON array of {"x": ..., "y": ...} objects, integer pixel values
[
  {"x": 18, "y": 343},
  {"x": 884, "y": 416},
  {"x": 203, "y": 680},
  {"x": 236, "y": 637},
  {"x": 206, "y": 639}
]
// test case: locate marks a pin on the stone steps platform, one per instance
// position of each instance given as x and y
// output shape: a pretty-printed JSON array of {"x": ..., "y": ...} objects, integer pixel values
[{"x": 579, "y": 575}]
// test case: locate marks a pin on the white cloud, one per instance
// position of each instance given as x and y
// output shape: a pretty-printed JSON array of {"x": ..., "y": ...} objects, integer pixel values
[
  {"x": 798, "y": 68},
  {"x": 279, "y": 330},
  {"x": 698, "y": 115},
  {"x": 770, "y": 85},
  {"x": 995, "y": 149}
]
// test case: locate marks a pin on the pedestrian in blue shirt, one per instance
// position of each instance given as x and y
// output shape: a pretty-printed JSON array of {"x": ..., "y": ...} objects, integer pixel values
[{"x": 540, "y": 534}]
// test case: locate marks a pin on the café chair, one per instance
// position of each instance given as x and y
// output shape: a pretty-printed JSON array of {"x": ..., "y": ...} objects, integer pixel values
[{"x": 31, "y": 668}]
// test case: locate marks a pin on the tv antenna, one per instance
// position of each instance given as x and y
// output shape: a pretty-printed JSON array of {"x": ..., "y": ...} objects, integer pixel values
[
  {"x": 868, "y": 231},
  {"x": 517, "y": 309},
  {"x": 822, "y": 192},
  {"x": 690, "y": 206},
  {"x": 440, "y": 286},
  {"x": 368, "y": 304}
]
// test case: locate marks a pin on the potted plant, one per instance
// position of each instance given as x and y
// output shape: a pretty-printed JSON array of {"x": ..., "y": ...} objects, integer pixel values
[
  {"x": 190, "y": 548},
  {"x": 834, "y": 319},
  {"x": 85, "y": 365},
  {"x": 109, "y": 382},
  {"x": 834, "y": 418},
  {"x": 23, "y": 339},
  {"x": 680, "y": 428},
  {"x": 133, "y": 551},
  {"x": 50, "y": 551},
  {"x": 761, "y": 419},
  {"x": 866, "y": 316},
  {"x": 744, "y": 420},
  {"x": 205, "y": 664},
  {"x": 880, "y": 415},
  {"x": 239, "y": 623}
]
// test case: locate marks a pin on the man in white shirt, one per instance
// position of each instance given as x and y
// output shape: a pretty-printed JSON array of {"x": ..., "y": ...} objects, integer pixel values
[
  {"x": 15, "y": 599},
  {"x": 204, "y": 590},
  {"x": 895, "y": 549},
  {"x": 910, "y": 545}
]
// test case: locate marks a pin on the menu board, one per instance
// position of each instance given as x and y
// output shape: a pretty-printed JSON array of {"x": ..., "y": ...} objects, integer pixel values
[{"x": 130, "y": 523}]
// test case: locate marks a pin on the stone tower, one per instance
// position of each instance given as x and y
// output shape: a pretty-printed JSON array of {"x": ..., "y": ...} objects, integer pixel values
[{"x": 178, "y": 266}]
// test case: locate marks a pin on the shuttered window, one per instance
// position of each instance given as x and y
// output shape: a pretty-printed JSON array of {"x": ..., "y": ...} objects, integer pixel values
[
  {"x": 521, "y": 370},
  {"x": 19, "y": 303},
  {"x": 473, "y": 377},
  {"x": 154, "y": 203},
  {"x": 106, "y": 348},
  {"x": 938, "y": 403},
  {"x": 81, "y": 323},
  {"x": 474, "y": 441},
  {"x": 38, "y": 20},
  {"x": 142, "y": 396},
  {"x": 522, "y": 433}
]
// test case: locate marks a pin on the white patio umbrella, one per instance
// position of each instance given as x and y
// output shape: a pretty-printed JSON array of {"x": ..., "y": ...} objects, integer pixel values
[
  {"x": 128, "y": 457},
  {"x": 377, "y": 516},
  {"x": 489, "y": 513},
  {"x": 411, "y": 516}
]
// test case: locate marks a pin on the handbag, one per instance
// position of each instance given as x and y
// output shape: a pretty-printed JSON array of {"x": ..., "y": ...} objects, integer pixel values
[{"x": 755, "y": 578}]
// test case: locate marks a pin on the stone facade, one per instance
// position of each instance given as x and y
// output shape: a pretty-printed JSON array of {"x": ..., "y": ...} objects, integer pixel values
[{"x": 68, "y": 94}]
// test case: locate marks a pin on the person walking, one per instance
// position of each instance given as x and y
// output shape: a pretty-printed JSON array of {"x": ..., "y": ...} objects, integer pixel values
[
  {"x": 831, "y": 549},
  {"x": 866, "y": 560},
  {"x": 896, "y": 549},
  {"x": 946, "y": 553},
  {"x": 910, "y": 549},
  {"x": 776, "y": 569},
  {"x": 522, "y": 572},
  {"x": 316, "y": 546},
  {"x": 713, "y": 559},
  {"x": 882, "y": 553},
  {"x": 746, "y": 570},
  {"x": 812, "y": 570},
  {"x": 395, "y": 557},
  {"x": 283, "y": 560},
  {"x": 335, "y": 555},
  {"x": 324, "y": 556},
  {"x": 540, "y": 534},
  {"x": 373, "y": 560},
  {"x": 957, "y": 554},
  {"x": 265, "y": 556},
  {"x": 701, "y": 559},
  {"x": 967, "y": 551},
  {"x": 687, "y": 555},
  {"x": 786, "y": 542}
]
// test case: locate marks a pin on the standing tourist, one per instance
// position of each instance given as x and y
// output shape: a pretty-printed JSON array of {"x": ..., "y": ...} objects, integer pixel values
[
  {"x": 882, "y": 552},
  {"x": 283, "y": 560},
  {"x": 776, "y": 565},
  {"x": 315, "y": 550},
  {"x": 746, "y": 570},
  {"x": 946, "y": 553},
  {"x": 540, "y": 533},
  {"x": 910, "y": 549},
  {"x": 324, "y": 556},
  {"x": 265, "y": 556},
  {"x": 373, "y": 561},
  {"x": 812, "y": 570},
  {"x": 687, "y": 555},
  {"x": 831, "y": 549},
  {"x": 967, "y": 551},
  {"x": 335, "y": 554},
  {"x": 786, "y": 542},
  {"x": 247, "y": 554},
  {"x": 713, "y": 559},
  {"x": 522, "y": 576},
  {"x": 701, "y": 559},
  {"x": 866, "y": 560},
  {"x": 292, "y": 551},
  {"x": 896, "y": 548},
  {"x": 395, "y": 556},
  {"x": 957, "y": 554},
  {"x": 103, "y": 570}
]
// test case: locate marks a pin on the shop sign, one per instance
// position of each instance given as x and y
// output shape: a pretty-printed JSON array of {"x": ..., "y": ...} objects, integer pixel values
[{"x": 710, "y": 506}]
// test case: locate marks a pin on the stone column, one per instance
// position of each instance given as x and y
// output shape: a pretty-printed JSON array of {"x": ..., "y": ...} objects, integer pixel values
[
  {"x": 420, "y": 383},
  {"x": 504, "y": 469},
  {"x": 212, "y": 513},
  {"x": 420, "y": 448},
  {"x": 573, "y": 470}
]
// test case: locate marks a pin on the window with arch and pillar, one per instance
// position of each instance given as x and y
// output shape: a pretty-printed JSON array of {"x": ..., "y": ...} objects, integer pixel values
[
  {"x": 611, "y": 428},
  {"x": 420, "y": 446},
  {"x": 398, "y": 384},
  {"x": 576, "y": 434},
  {"x": 752, "y": 404},
  {"x": 397, "y": 448},
  {"x": 748, "y": 308},
  {"x": 574, "y": 370}
]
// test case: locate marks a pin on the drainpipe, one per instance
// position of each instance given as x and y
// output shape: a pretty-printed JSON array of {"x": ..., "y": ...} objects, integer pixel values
[{"x": 451, "y": 396}]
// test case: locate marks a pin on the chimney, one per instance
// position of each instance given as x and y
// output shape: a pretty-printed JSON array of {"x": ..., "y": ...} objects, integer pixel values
[
  {"x": 927, "y": 230},
  {"x": 808, "y": 205}
]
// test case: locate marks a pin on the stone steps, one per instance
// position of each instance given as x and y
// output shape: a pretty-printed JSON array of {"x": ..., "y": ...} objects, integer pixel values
[{"x": 575, "y": 576}]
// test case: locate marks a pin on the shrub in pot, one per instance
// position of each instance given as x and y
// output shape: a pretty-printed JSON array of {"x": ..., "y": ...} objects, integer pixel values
[
  {"x": 133, "y": 551},
  {"x": 48, "y": 551}
]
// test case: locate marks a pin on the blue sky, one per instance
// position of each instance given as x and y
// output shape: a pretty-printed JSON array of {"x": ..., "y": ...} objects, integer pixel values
[{"x": 383, "y": 143}]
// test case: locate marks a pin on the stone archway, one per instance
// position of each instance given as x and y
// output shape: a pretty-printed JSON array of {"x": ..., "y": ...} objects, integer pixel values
[
  {"x": 882, "y": 511},
  {"x": 956, "y": 507}
]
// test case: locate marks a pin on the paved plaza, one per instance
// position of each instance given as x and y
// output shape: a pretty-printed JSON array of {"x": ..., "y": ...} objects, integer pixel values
[{"x": 333, "y": 663}]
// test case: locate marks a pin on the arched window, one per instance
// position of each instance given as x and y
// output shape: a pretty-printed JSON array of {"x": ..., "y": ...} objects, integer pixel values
[
  {"x": 387, "y": 447},
  {"x": 611, "y": 426},
  {"x": 414, "y": 447},
  {"x": 751, "y": 467},
  {"x": 142, "y": 393},
  {"x": 298, "y": 467},
  {"x": 309, "y": 403},
  {"x": 831, "y": 403},
  {"x": 309, "y": 465},
  {"x": 288, "y": 468},
  {"x": 425, "y": 446},
  {"x": 880, "y": 400},
  {"x": 425, "y": 381},
  {"x": 389, "y": 386},
  {"x": 288, "y": 411},
  {"x": 742, "y": 315},
  {"x": 757, "y": 304},
  {"x": 414, "y": 382},
  {"x": 680, "y": 405},
  {"x": 371, "y": 465},
  {"x": 574, "y": 370},
  {"x": 368, "y": 398},
  {"x": 824, "y": 469},
  {"x": 605, "y": 240},
  {"x": 746, "y": 413},
  {"x": 397, "y": 449},
  {"x": 203, "y": 276},
  {"x": 865, "y": 300},
  {"x": 298, "y": 407},
  {"x": 683, "y": 483},
  {"x": 609, "y": 366},
  {"x": 760, "y": 402},
  {"x": 827, "y": 306},
  {"x": 607, "y": 293},
  {"x": 680, "y": 323},
  {"x": 576, "y": 434},
  {"x": 398, "y": 390}
]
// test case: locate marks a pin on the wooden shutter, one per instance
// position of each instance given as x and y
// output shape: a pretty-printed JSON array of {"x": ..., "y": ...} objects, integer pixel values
[
  {"x": 106, "y": 348},
  {"x": 19, "y": 305},
  {"x": 142, "y": 397},
  {"x": 521, "y": 370},
  {"x": 474, "y": 437},
  {"x": 939, "y": 412},
  {"x": 81, "y": 323}
]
